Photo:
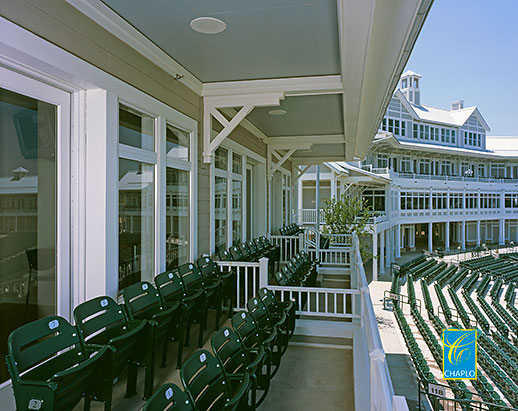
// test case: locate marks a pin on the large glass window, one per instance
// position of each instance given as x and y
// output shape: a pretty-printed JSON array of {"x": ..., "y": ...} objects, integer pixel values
[
  {"x": 177, "y": 143},
  {"x": 220, "y": 214},
  {"x": 177, "y": 217},
  {"x": 136, "y": 221},
  {"x": 237, "y": 206},
  {"x": 136, "y": 129},
  {"x": 28, "y": 190}
]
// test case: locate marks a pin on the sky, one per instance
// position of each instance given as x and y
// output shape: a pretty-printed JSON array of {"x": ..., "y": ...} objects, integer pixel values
[{"x": 468, "y": 50}]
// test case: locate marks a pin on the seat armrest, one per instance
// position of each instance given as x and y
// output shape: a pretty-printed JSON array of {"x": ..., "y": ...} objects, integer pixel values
[{"x": 242, "y": 390}]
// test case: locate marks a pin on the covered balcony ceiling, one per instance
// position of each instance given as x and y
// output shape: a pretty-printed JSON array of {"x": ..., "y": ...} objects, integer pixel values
[{"x": 332, "y": 65}]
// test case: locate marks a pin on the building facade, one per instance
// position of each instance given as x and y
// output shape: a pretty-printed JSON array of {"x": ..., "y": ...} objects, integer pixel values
[{"x": 451, "y": 185}]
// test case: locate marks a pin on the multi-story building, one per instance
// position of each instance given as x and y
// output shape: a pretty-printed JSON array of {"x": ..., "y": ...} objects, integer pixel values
[{"x": 450, "y": 185}]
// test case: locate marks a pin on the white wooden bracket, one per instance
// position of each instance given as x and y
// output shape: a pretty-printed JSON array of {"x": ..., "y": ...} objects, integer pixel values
[
  {"x": 281, "y": 159},
  {"x": 245, "y": 103},
  {"x": 300, "y": 172}
]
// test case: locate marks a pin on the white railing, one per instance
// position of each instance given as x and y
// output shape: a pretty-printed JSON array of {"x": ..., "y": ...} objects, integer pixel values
[
  {"x": 339, "y": 240},
  {"x": 321, "y": 302},
  {"x": 381, "y": 390},
  {"x": 332, "y": 257},
  {"x": 289, "y": 245},
  {"x": 417, "y": 176},
  {"x": 308, "y": 216},
  {"x": 250, "y": 277}
]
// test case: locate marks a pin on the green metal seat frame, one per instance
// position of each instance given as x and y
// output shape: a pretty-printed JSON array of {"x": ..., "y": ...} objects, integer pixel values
[
  {"x": 253, "y": 338},
  {"x": 276, "y": 308},
  {"x": 169, "y": 397},
  {"x": 236, "y": 359},
  {"x": 267, "y": 322},
  {"x": 193, "y": 280},
  {"x": 142, "y": 302},
  {"x": 209, "y": 269},
  {"x": 171, "y": 288},
  {"x": 210, "y": 388},
  {"x": 51, "y": 370},
  {"x": 102, "y": 321}
]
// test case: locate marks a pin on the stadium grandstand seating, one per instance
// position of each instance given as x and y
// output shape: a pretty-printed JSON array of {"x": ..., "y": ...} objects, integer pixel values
[{"x": 475, "y": 290}]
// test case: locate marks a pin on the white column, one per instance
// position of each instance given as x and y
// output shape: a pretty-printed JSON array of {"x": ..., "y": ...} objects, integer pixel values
[
  {"x": 430, "y": 237},
  {"x": 478, "y": 233},
  {"x": 501, "y": 232},
  {"x": 101, "y": 222},
  {"x": 374, "y": 256},
  {"x": 447, "y": 235},
  {"x": 382, "y": 252},
  {"x": 389, "y": 247},
  {"x": 463, "y": 235},
  {"x": 333, "y": 184},
  {"x": 300, "y": 203},
  {"x": 398, "y": 240}
]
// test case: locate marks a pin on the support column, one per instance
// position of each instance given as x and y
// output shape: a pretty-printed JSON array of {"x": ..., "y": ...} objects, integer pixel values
[
  {"x": 501, "y": 232},
  {"x": 333, "y": 184},
  {"x": 478, "y": 233},
  {"x": 382, "y": 252},
  {"x": 300, "y": 195},
  {"x": 447, "y": 235},
  {"x": 463, "y": 235},
  {"x": 374, "y": 256},
  {"x": 389, "y": 247},
  {"x": 398, "y": 240},
  {"x": 317, "y": 205},
  {"x": 430, "y": 237}
]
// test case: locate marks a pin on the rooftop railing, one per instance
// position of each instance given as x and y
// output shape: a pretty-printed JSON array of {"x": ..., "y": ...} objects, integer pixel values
[{"x": 417, "y": 176}]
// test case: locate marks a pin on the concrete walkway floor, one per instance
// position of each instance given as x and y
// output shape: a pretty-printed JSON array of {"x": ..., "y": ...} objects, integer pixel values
[{"x": 313, "y": 379}]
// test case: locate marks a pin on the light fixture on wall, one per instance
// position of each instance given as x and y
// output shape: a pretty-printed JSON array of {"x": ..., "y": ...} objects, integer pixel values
[
  {"x": 277, "y": 112},
  {"x": 208, "y": 25}
]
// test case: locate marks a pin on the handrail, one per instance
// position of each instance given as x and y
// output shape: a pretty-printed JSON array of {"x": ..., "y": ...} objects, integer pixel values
[{"x": 381, "y": 392}]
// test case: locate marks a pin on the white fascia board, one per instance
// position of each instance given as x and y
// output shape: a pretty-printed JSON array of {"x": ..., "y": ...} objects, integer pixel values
[
  {"x": 293, "y": 86},
  {"x": 370, "y": 68},
  {"x": 303, "y": 142},
  {"x": 99, "y": 12},
  {"x": 314, "y": 161},
  {"x": 255, "y": 99},
  {"x": 479, "y": 117},
  {"x": 401, "y": 97}
]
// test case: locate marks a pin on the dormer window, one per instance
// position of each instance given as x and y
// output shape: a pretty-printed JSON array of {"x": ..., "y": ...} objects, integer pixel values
[
  {"x": 416, "y": 83},
  {"x": 404, "y": 83}
]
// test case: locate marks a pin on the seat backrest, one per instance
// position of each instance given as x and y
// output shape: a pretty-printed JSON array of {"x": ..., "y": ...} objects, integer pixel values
[
  {"x": 225, "y": 255},
  {"x": 260, "y": 246},
  {"x": 100, "y": 316},
  {"x": 247, "y": 253},
  {"x": 44, "y": 347},
  {"x": 169, "y": 397},
  {"x": 205, "y": 381},
  {"x": 208, "y": 268},
  {"x": 237, "y": 255},
  {"x": 281, "y": 278},
  {"x": 268, "y": 299},
  {"x": 191, "y": 276},
  {"x": 170, "y": 286},
  {"x": 229, "y": 350},
  {"x": 245, "y": 326},
  {"x": 258, "y": 310},
  {"x": 142, "y": 300},
  {"x": 252, "y": 246}
]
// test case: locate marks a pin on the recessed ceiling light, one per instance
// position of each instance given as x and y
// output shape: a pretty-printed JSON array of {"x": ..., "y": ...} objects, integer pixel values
[
  {"x": 208, "y": 25},
  {"x": 277, "y": 112}
]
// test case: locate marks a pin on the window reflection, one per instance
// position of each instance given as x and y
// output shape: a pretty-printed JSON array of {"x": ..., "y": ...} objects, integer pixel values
[
  {"x": 27, "y": 213},
  {"x": 136, "y": 220},
  {"x": 220, "y": 214},
  {"x": 177, "y": 217}
]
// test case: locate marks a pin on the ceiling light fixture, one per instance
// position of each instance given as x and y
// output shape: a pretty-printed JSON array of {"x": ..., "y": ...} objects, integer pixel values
[
  {"x": 208, "y": 25},
  {"x": 277, "y": 112}
]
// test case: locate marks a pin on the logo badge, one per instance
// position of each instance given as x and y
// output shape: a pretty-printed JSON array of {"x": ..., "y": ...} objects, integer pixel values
[{"x": 459, "y": 360}]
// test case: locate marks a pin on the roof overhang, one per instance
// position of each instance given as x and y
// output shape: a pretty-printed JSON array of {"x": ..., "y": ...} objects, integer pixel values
[{"x": 373, "y": 44}]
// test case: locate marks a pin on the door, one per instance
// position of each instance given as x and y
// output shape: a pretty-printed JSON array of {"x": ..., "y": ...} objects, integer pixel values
[{"x": 34, "y": 205}]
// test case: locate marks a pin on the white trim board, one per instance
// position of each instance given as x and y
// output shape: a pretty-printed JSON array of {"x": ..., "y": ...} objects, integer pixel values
[{"x": 116, "y": 25}]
